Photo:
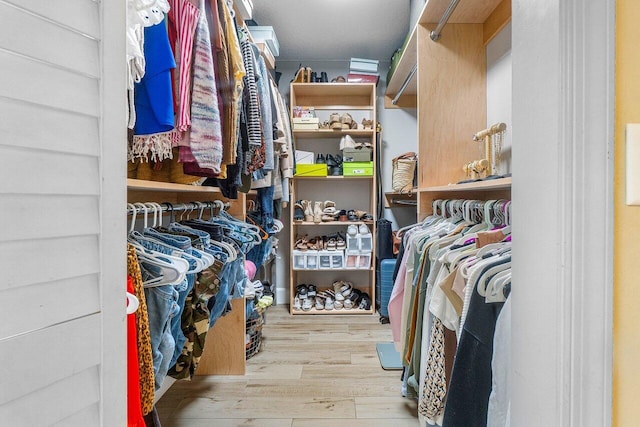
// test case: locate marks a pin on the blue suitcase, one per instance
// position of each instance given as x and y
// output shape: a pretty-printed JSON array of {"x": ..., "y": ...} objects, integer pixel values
[{"x": 385, "y": 285}]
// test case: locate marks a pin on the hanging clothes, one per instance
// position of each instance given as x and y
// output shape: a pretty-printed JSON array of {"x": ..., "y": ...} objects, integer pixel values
[{"x": 154, "y": 98}]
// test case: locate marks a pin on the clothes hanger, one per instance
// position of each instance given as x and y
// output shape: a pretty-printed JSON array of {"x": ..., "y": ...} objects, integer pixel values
[
  {"x": 171, "y": 269},
  {"x": 484, "y": 278},
  {"x": 140, "y": 238},
  {"x": 132, "y": 303},
  {"x": 495, "y": 289}
]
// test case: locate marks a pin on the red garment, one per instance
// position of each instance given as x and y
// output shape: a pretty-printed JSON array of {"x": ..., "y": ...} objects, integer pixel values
[{"x": 134, "y": 406}]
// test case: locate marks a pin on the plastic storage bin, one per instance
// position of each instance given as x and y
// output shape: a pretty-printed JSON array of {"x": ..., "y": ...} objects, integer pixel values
[{"x": 266, "y": 34}]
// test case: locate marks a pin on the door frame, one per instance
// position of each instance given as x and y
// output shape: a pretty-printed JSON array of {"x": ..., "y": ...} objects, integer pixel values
[{"x": 563, "y": 133}]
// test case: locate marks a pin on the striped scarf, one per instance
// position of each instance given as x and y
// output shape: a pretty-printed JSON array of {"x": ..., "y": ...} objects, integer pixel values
[
  {"x": 206, "y": 132},
  {"x": 256, "y": 157}
]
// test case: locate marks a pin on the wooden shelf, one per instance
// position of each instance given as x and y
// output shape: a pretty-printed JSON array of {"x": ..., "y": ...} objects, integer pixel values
[
  {"x": 400, "y": 200},
  {"x": 330, "y": 133},
  {"x": 489, "y": 185},
  {"x": 467, "y": 12},
  {"x": 140, "y": 184},
  {"x": 333, "y": 177},
  {"x": 298, "y": 223},
  {"x": 344, "y": 90},
  {"x": 368, "y": 270},
  {"x": 349, "y": 312}
]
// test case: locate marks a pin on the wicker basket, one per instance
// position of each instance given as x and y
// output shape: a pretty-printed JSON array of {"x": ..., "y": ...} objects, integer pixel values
[
  {"x": 254, "y": 333},
  {"x": 404, "y": 168}
]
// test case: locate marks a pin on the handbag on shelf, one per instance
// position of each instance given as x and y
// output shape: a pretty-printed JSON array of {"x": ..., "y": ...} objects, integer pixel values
[{"x": 404, "y": 167}]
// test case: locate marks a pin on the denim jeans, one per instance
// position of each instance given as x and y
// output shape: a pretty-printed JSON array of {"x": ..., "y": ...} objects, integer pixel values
[
  {"x": 265, "y": 201},
  {"x": 176, "y": 321},
  {"x": 162, "y": 306},
  {"x": 258, "y": 254},
  {"x": 231, "y": 285}
]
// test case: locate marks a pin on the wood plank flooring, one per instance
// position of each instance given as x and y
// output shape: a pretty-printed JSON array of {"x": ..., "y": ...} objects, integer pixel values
[{"x": 313, "y": 371}]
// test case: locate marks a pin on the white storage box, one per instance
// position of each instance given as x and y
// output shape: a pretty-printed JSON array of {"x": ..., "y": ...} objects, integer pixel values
[
  {"x": 245, "y": 8},
  {"x": 305, "y": 157},
  {"x": 299, "y": 260},
  {"x": 352, "y": 243},
  {"x": 365, "y": 242},
  {"x": 266, "y": 34},
  {"x": 337, "y": 259},
  {"x": 324, "y": 259},
  {"x": 311, "y": 260},
  {"x": 358, "y": 260},
  {"x": 363, "y": 65}
]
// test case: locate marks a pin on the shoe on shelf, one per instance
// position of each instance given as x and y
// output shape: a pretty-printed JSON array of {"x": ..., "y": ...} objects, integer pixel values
[
  {"x": 339, "y": 79},
  {"x": 317, "y": 213},
  {"x": 308, "y": 303},
  {"x": 334, "y": 121},
  {"x": 346, "y": 120},
  {"x": 328, "y": 299},
  {"x": 296, "y": 303},
  {"x": 351, "y": 215},
  {"x": 363, "y": 229},
  {"x": 302, "y": 291},
  {"x": 301, "y": 75},
  {"x": 367, "y": 124},
  {"x": 308, "y": 210},
  {"x": 365, "y": 302},
  {"x": 323, "y": 77},
  {"x": 314, "y": 77},
  {"x": 352, "y": 299},
  {"x": 298, "y": 211},
  {"x": 347, "y": 142},
  {"x": 308, "y": 75},
  {"x": 340, "y": 242},
  {"x": 320, "y": 159},
  {"x": 320, "y": 302},
  {"x": 311, "y": 290}
]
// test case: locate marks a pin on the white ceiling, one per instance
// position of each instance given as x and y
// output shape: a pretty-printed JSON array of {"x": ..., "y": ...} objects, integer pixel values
[{"x": 328, "y": 30}]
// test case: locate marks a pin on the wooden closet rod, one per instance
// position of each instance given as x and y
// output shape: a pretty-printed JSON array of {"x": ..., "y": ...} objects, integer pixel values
[{"x": 435, "y": 34}]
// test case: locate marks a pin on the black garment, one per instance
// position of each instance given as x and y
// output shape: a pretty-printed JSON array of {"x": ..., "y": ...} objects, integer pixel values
[
  {"x": 470, "y": 385},
  {"x": 152, "y": 419}
]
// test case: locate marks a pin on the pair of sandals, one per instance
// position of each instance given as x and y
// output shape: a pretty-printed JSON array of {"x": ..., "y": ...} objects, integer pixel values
[
  {"x": 348, "y": 142},
  {"x": 344, "y": 121},
  {"x": 354, "y": 215},
  {"x": 304, "y": 299},
  {"x": 304, "y": 243}
]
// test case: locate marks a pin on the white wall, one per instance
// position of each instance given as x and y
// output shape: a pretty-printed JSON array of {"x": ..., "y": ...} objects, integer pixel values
[{"x": 499, "y": 90}]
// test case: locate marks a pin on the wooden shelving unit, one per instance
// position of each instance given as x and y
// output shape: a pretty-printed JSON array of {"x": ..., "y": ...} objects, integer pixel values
[{"x": 348, "y": 192}]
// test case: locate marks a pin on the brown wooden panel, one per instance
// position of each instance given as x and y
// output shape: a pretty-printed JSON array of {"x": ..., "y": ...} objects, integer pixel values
[
  {"x": 500, "y": 17},
  {"x": 224, "y": 350},
  {"x": 452, "y": 102}
]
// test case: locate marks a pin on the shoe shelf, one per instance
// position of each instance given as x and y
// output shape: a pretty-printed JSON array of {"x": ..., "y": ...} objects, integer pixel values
[
  {"x": 486, "y": 185},
  {"x": 357, "y": 192},
  {"x": 333, "y": 133},
  {"x": 345, "y": 223},
  {"x": 333, "y": 177},
  {"x": 342, "y": 311}
]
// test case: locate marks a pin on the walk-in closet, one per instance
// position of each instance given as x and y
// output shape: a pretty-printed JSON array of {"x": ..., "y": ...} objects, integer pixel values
[{"x": 306, "y": 214}]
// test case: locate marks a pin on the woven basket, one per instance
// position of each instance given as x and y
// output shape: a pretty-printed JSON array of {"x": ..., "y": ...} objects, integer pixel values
[{"x": 404, "y": 167}]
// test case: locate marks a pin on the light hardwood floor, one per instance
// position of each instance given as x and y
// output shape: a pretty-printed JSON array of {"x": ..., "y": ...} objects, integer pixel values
[{"x": 313, "y": 371}]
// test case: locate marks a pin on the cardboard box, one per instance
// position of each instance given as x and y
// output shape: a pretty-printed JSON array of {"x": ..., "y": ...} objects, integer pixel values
[
  {"x": 305, "y": 123},
  {"x": 305, "y": 157},
  {"x": 357, "y": 169},
  {"x": 350, "y": 155},
  {"x": 311, "y": 170},
  {"x": 266, "y": 34},
  {"x": 362, "y": 78}
]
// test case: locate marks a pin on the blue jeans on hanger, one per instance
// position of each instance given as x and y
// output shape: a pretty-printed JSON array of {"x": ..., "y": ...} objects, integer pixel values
[
  {"x": 162, "y": 306},
  {"x": 176, "y": 321},
  {"x": 231, "y": 280}
]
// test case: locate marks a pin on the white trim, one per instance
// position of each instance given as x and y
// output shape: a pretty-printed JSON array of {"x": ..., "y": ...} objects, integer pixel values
[
  {"x": 563, "y": 197},
  {"x": 113, "y": 137}
]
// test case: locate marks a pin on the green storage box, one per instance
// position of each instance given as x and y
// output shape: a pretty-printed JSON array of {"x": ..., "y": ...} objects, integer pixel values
[
  {"x": 319, "y": 169},
  {"x": 357, "y": 169}
]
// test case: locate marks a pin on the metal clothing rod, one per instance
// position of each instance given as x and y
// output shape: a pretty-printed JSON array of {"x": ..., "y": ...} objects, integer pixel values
[
  {"x": 170, "y": 207},
  {"x": 394, "y": 101},
  {"x": 435, "y": 34}
]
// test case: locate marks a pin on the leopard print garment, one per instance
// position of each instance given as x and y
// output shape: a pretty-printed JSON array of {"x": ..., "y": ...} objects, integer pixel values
[{"x": 145, "y": 358}]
